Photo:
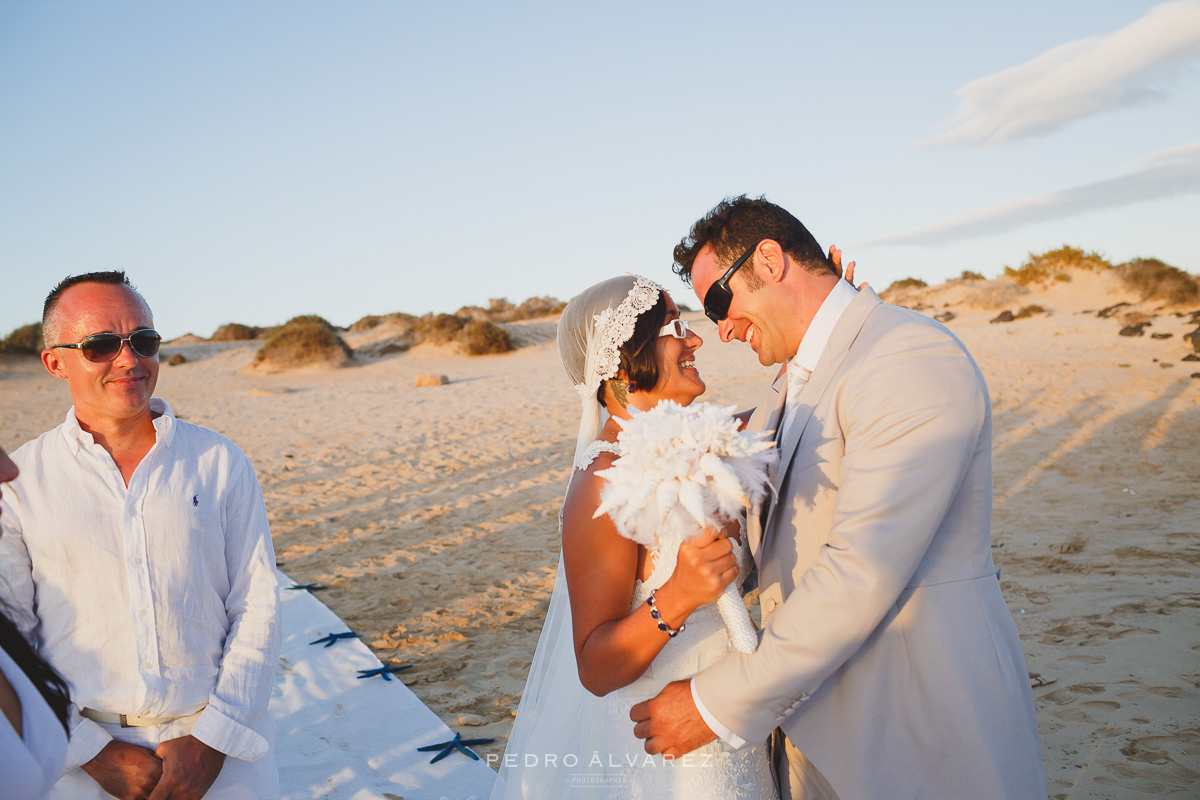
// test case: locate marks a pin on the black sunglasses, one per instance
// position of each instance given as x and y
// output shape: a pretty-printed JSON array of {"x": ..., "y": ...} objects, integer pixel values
[
  {"x": 719, "y": 295},
  {"x": 102, "y": 347}
]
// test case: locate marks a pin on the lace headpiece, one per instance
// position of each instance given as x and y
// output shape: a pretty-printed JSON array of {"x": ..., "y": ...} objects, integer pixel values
[{"x": 591, "y": 331}]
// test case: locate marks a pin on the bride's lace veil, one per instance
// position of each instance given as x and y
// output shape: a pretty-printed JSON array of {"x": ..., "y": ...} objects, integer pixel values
[{"x": 559, "y": 723}]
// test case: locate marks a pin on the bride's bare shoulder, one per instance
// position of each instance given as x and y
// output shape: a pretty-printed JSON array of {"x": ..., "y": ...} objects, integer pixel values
[{"x": 586, "y": 484}]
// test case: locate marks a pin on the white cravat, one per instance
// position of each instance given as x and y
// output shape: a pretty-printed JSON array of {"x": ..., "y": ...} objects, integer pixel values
[
  {"x": 811, "y": 347},
  {"x": 797, "y": 379}
]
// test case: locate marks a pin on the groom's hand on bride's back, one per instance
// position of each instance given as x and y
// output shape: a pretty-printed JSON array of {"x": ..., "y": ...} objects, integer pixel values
[{"x": 670, "y": 723}]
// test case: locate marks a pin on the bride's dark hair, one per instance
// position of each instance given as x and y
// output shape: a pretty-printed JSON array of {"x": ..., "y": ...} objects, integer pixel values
[
  {"x": 639, "y": 358},
  {"x": 48, "y": 682}
]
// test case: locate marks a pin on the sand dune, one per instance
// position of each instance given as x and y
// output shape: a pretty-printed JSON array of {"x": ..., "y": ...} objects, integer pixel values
[{"x": 430, "y": 513}]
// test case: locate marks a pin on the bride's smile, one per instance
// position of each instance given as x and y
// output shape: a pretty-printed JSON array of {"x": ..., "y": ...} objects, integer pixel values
[{"x": 678, "y": 377}]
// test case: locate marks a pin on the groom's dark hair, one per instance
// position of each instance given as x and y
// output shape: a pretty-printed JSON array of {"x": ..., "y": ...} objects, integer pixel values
[{"x": 737, "y": 224}]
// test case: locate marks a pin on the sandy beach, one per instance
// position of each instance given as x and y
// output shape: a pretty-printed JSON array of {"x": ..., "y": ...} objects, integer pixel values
[{"x": 430, "y": 513}]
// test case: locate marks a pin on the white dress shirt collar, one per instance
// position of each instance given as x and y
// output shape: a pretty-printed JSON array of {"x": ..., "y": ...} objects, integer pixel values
[
  {"x": 821, "y": 328},
  {"x": 164, "y": 426}
]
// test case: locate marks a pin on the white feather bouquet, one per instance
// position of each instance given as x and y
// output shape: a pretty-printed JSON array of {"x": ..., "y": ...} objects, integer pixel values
[{"x": 681, "y": 469}]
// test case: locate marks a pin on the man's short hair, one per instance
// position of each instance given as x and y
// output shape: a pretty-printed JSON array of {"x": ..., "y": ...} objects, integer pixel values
[
  {"x": 737, "y": 224},
  {"x": 51, "y": 319}
]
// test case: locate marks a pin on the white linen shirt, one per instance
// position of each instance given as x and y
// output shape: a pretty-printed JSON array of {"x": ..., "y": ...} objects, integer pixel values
[
  {"x": 812, "y": 345},
  {"x": 157, "y": 599}
]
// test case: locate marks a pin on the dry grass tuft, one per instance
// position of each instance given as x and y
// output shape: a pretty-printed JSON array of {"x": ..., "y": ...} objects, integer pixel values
[
  {"x": 24, "y": 341},
  {"x": 303, "y": 341},
  {"x": 1156, "y": 280},
  {"x": 968, "y": 275},
  {"x": 480, "y": 337},
  {"x": 905, "y": 283},
  {"x": 237, "y": 332},
  {"x": 438, "y": 328},
  {"x": 1043, "y": 267},
  {"x": 1024, "y": 312},
  {"x": 500, "y": 310},
  {"x": 371, "y": 321}
]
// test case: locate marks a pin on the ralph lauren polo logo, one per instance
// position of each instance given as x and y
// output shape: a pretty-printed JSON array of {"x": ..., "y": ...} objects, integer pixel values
[{"x": 195, "y": 500}]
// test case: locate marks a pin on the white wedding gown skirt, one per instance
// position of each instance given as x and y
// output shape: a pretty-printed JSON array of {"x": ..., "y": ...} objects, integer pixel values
[
  {"x": 712, "y": 771},
  {"x": 567, "y": 743}
]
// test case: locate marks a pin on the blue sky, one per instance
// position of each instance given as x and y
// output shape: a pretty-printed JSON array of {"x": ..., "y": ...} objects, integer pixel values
[{"x": 252, "y": 161}]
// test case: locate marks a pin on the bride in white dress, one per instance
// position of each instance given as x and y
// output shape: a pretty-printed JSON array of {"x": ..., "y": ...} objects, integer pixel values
[{"x": 602, "y": 650}]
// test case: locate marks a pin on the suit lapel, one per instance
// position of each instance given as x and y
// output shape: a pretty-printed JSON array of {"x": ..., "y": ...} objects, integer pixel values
[
  {"x": 766, "y": 417},
  {"x": 835, "y": 352}
]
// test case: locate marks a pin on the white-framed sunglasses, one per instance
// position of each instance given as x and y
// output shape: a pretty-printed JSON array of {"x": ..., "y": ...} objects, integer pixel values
[{"x": 677, "y": 328}]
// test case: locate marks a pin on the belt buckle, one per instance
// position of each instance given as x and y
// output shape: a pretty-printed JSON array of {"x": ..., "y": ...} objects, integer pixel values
[{"x": 124, "y": 722}]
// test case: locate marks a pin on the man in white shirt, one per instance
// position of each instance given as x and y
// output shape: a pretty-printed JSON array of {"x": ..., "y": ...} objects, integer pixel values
[
  {"x": 137, "y": 555},
  {"x": 888, "y": 664}
]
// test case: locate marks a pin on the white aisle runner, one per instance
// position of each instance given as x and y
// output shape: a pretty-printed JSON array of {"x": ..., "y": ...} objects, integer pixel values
[{"x": 342, "y": 738}]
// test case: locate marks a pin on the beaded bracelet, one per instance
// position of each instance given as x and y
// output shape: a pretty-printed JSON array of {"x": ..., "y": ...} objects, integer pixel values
[{"x": 662, "y": 626}]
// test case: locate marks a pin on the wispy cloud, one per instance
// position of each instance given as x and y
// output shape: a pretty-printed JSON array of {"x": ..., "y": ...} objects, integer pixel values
[
  {"x": 1076, "y": 79},
  {"x": 1174, "y": 171}
]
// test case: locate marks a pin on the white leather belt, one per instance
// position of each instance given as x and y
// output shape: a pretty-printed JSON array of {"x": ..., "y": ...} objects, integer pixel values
[{"x": 131, "y": 720}]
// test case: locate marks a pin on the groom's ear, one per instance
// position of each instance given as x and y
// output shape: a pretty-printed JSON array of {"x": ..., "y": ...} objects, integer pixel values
[{"x": 771, "y": 262}]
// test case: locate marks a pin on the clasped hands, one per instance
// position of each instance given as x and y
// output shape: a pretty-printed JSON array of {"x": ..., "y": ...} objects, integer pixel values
[
  {"x": 178, "y": 769},
  {"x": 669, "y": 723}
]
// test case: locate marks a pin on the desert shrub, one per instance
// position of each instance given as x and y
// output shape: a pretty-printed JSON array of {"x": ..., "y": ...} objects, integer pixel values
[
  {"x": 473, "y": 312},
  {"x": 480, "y": 337},
  {"x": 536, "y": 307},
  {"x": 372, "y": 321},
  {"x": 968, "y": 275},
  {"x": 906, "y": 283},
  {"x": 1039, "y": 268},
  {"x": 1028, "y": 311},
  {"x": 366, "y": 323},
  {"x": 25, "y": 340},
  {"x": 1154, "y": 279},
  {"x": 499, "y": 309},
  {"x": 1062, "y": 277},
  {"x": 311, "y": 319},
  {"x": 302, "y": 341},
  {"x": 236, "y": 332},
  {"x": 438, "y": 328}
]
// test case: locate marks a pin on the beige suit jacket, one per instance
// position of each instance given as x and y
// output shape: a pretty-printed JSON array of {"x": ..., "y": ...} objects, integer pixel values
[{"x": 887, "y": 654}]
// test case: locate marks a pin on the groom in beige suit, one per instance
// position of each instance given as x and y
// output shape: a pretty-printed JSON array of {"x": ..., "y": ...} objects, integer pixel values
[{"x": 889, "y": 665}]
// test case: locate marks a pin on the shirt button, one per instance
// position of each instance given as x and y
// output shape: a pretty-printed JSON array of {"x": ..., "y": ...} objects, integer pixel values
[
  {"x": 137, "y": 560},
  {"x": 147, "y": 666},
  {"x": 131, "y": 512},
  {"x": 142, "y": 613},
  {"x": 769, "y": 605}
]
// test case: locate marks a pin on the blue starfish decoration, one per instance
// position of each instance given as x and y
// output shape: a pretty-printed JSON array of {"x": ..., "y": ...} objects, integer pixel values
[
  {"x": 308, "y": 587},
  {"x": 332, "y": 638},
  {"x": 383, "y": 672},
  {"x": 457, "y": 743}
]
